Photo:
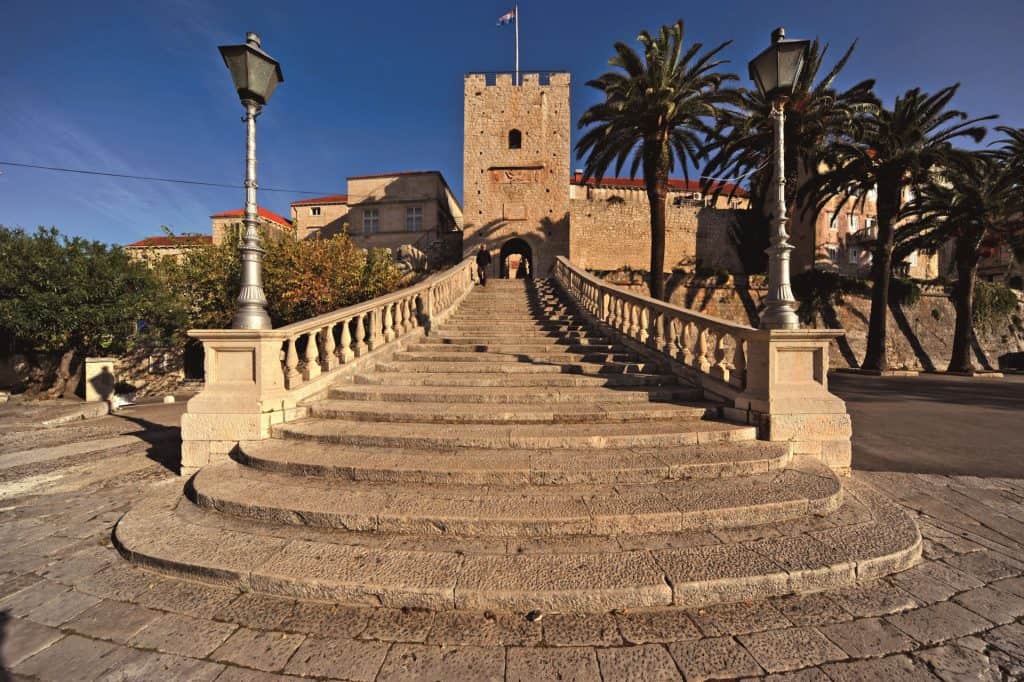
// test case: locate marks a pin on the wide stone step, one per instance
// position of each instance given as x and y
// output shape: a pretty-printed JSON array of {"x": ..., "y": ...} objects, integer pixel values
[
  {"x": 868, "y": 537},
  {"x": 535, "y": 436},
  {"x": 517, "y": 511},
  {"x": 476, "y": 413},
  {"x": 432, "y": 346},
  {"x": 505, "y": 379},
  {"x": 499, "y": 335},
  {"x": 533, "y": 395},
  {"x": 510, "y": 467},
  {"x": 496, "y": 366},
  {"x": 563, "y": 356}
]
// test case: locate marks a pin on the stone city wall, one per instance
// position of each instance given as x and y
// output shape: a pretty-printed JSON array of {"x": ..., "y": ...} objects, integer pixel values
[{"x": 610, "y": 229}]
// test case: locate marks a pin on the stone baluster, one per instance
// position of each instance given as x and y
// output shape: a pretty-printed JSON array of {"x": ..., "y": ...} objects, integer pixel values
[
  {"x": 389, "y": 323},
  {"x": 291, "y": 364},
  {"x": 703, "y": 361},
  {"x": 399, "y": 321},
  {"x": 312, "y": 369},
  {"x": 329, "y": 359},
  {"x": 643, "y": 316},
  {"x": 670, "y": 342},
  {"x": 360, "y": 335},
  {"x": 739, "y": 364},
  {"x": 688, "y": 343},
  {"x": 409, "y": 314},
  {"x": 720, "y": 368},
  {"x": 347, "y": 354},
  {"x": 656, "y": 337}
]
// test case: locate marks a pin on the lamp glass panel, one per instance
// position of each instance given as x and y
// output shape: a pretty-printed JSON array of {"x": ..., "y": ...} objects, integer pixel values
[{"x": 765, "y": 71}]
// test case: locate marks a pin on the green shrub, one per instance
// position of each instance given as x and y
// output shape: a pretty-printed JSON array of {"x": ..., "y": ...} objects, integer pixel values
[{"x": 993, "y": 304}]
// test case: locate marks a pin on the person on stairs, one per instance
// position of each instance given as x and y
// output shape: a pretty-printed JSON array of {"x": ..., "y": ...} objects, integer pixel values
[{"x": 483, "y": 261}]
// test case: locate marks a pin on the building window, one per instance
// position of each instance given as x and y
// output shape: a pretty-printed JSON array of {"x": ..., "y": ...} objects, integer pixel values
[
  {"x": 870, "y": 222},
  {"x": 832, "y": 217},
  {"x": 515, "y": 139},
  {"x": 912, "y": 258},
  {"x": 833, "y": 253},
  {"x": 853, "y": 256},
  {"x": 852, "y": 225},
  {"x": 371, "y": 221},
  {"x": 414, "y": 219},
  {"x": 314, "y": 210}
]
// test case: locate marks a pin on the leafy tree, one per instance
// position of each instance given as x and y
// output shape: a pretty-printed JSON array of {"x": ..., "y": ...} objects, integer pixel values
[
  {"x": 899, "y": 149},
  {"x": 656, "y": 114},
  {"x": 70, "y": 296},
  {"x": 816, "y": 114}
]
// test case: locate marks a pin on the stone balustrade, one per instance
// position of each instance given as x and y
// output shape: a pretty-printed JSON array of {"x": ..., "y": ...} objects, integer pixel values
[
  {"x": 258, "y": 378},
  {"x": 774, "y": 379}
]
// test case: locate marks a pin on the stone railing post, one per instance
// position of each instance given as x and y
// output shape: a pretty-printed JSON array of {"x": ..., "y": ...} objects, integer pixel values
[{"x": 787, "y": 386}]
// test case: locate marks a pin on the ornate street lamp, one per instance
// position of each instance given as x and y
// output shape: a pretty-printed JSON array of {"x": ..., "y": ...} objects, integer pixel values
[
  {"x": 776, "y": 72},
  {"x": 255, "y": 74}
]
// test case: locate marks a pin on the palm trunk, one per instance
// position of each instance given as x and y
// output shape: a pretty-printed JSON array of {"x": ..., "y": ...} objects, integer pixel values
[
  {"x": 881, "y": 274},
  {"x": 657, "y": 284},
  {"x": 656, "y": 163},
  {"x": 966, "y": 254}
]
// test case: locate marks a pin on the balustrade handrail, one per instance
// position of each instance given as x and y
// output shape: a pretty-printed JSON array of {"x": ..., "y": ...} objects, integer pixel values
[
  {"x": 661, "y": 306},
  {"x": 365, "y": 306},
  {"x": 709, "y": 346}
]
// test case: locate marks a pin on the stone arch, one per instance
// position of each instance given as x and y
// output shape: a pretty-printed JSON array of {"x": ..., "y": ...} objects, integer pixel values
[{"x": 515, "y": 247}]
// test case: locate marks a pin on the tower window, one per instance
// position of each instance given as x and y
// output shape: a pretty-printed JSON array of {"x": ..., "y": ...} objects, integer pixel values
[{"x": 515, "y": 139}]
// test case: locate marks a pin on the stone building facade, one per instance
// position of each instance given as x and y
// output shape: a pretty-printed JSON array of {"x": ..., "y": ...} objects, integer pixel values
[
  {"x": 837, "y": 240},
  {"x": 228, "y": 222},
  {"x": 385, "y": 211},
  {"x": 521, "y": 202},
  {"x": 516, "y": 159},
  {"x": 152, "y": 249}
]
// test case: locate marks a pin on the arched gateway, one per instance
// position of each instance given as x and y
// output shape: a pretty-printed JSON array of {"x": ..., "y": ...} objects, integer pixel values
[{"x": 516, "y": 259}]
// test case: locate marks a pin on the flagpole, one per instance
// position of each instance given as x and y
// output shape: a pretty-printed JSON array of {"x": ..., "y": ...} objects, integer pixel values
[{"x": 517, "y": 42}]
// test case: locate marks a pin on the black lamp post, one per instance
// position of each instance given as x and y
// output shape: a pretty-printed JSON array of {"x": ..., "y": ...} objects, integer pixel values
[
  {"x": 776, "y": 72},
  {"x": 255, "y": 74}
]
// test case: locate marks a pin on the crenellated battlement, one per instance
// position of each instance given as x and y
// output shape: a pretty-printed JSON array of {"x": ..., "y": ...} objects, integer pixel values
[{"x": 531, "y": 79}]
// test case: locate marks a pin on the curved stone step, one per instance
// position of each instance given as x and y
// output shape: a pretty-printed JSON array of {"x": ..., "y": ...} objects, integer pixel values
[
  {"x": 533, "y": 395},
  {"x": 513, "y": 467},
  {"x": 475, "y": 413},
  {"x": 503, "y": 380},
  {"x": 530, "y": 436},
  {"x": 867, "y": 538},
  {"x": 517, "y": 511}
]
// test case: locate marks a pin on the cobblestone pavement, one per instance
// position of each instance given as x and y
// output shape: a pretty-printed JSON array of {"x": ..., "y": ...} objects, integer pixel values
[{"x": 72, "y": 609}]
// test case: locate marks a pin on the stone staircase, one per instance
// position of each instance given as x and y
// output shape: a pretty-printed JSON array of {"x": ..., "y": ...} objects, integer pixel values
[{"x": 516, "y": 459}]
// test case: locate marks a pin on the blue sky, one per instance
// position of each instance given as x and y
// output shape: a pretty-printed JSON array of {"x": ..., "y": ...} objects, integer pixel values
[{"x": 139, "y": 88}]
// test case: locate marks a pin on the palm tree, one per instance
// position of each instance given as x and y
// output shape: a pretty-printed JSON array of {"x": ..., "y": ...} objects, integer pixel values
[
  {"x": 976, "y": 202},
  {"x": 816, "y": 114},
  {"x": 657, "y": 111},
  {"x": 900, "y": 149}
]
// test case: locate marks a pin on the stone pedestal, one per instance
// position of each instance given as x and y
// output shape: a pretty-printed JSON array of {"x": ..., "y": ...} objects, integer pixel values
[
  {"x": 100, "y": 379},
  {"x": 787, "y": 395}
]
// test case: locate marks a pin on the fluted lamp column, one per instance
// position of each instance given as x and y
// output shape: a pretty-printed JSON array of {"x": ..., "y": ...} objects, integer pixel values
[
  {"x": 776, "y": 72},
  {"x": 255, "y": 74}
]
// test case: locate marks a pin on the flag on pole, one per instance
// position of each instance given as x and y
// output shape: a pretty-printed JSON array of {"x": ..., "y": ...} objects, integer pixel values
[{"x": 507, "y": 17}]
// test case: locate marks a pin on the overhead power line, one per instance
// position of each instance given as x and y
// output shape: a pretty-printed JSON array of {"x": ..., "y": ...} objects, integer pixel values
[{"x": 152, "y": 179}]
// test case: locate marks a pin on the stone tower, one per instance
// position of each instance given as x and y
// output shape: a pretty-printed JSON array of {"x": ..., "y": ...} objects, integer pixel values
[{"x": 516, "y": 168}]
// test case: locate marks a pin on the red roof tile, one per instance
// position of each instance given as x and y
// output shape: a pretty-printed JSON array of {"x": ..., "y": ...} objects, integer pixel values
[
  {"x": 677, "y": 184},
  {"x": 183, "y": 240},
  {"x": 329, "y": 199},
  {"x": 269, "y": 215}
]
